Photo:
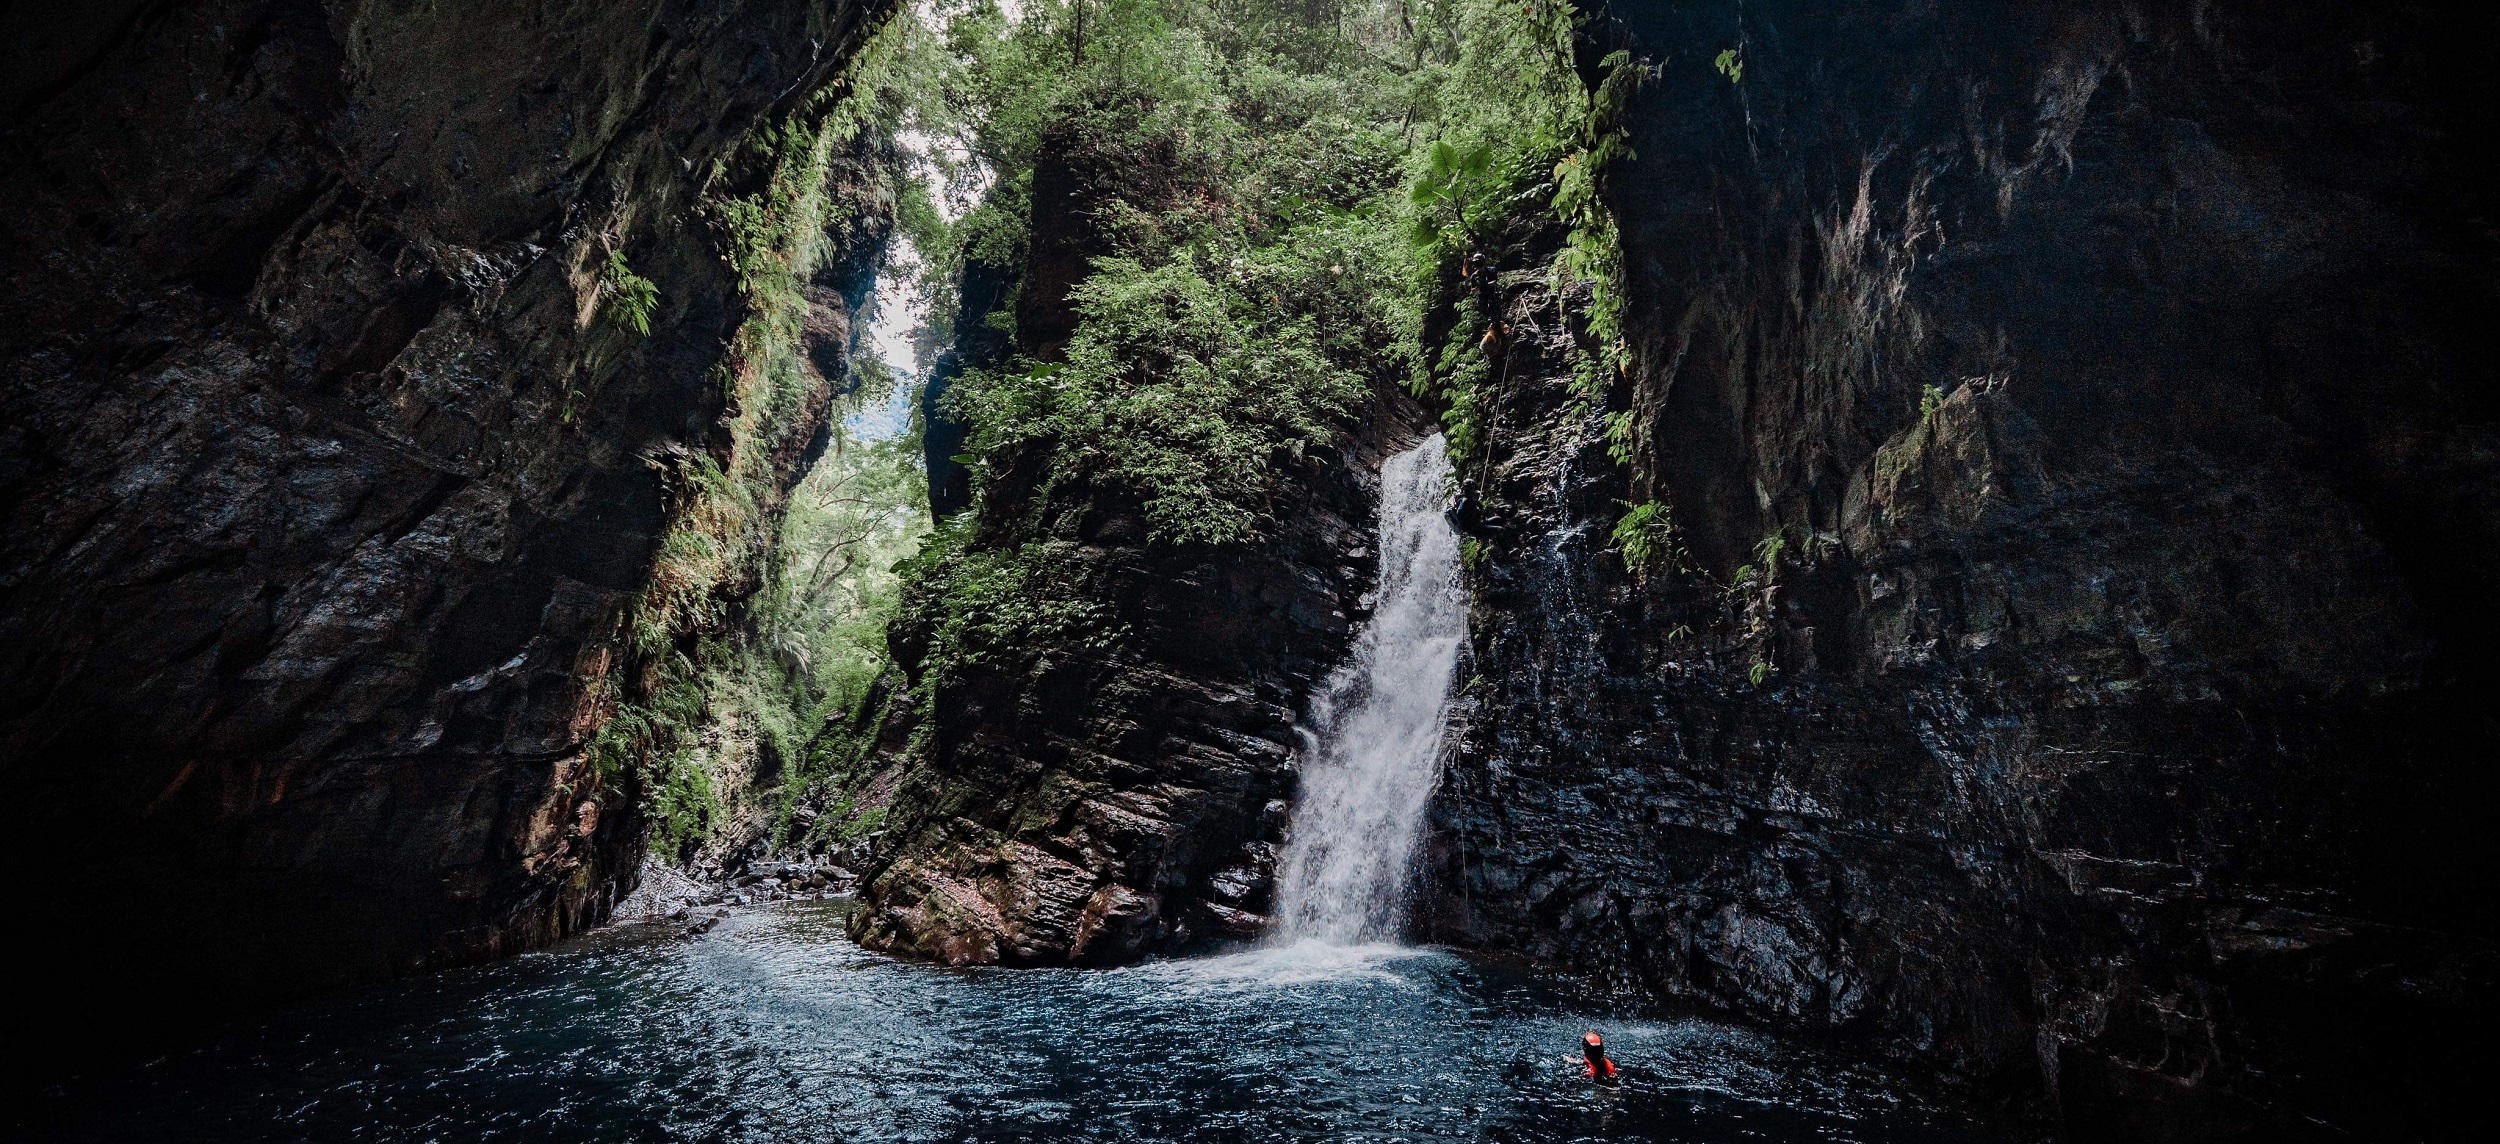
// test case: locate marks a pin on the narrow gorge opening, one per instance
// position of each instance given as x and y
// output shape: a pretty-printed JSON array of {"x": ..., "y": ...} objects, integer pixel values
[{"x": 1181, "y": 569}]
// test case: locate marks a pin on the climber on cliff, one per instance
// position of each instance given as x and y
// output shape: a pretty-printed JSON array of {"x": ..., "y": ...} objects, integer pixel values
[{"x": 1593, "y": 1057}]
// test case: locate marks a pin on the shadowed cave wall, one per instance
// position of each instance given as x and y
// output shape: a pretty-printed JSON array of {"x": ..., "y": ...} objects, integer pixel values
[
  {"x": 327, "y": 482},
  {"x": 2114, "y": 737}
]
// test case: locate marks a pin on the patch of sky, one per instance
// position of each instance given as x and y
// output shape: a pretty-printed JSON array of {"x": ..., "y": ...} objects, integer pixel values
[{"x": 956, "y": 181}]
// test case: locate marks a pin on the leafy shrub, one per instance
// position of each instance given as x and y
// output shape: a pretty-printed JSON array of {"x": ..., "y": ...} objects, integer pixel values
[
  {"x": 1731, "y": 63},
  {"x": 1186, "y": 386},
  {"x": 1645, "y": 535},
  {"x": 1007, "y": 606}
]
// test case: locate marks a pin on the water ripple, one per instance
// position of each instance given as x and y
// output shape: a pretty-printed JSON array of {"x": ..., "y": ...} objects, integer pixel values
[{"x": 776, "y": 1028}]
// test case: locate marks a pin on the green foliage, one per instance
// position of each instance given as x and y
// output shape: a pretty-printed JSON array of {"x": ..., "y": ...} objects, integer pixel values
[
  {"x": 701, "y": 549},
  {"x": 1186, "y": 382},
  {"x": 863, "y": 508},
  {"x": 1767, "y": 554},
  {"x": 652, "y": 739},
  {"x": 1755, "y": 591},
  {"x": 1731, "y": 63},
  {"x": 1457, "y": 197},
  {"x": 1008, "y": 606},
  {"x": 1645, "y": 534},
  {"x": 1620, "y": 427},
  {"x": 1266, "y": 124},
  {"x": 1763, "y": 574},
  {"x": 1498, "y": 74},
  {"x": 1254, "y": 284},
  {"x": 631, "y": 298},
  {"x": 1463, "y": 376},
  {"x": 1518, "y": 136},
  {"x": 1592, "y": 250},
  {"x": 1249, "y": 195},
  {"x": 680, "y": 802},
  {"x": 1930, "y": 400},
  {"x": 733, "y": 682}
]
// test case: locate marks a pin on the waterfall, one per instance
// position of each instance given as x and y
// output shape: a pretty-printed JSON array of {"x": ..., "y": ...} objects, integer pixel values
[{"x": 1376, "y": 726}]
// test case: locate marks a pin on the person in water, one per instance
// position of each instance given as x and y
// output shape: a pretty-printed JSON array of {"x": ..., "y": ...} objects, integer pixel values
[{"x": 1593, "y": 1056}]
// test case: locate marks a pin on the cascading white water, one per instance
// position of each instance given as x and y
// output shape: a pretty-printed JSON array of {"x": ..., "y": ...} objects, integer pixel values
[{"x": 1377, "y": 725}]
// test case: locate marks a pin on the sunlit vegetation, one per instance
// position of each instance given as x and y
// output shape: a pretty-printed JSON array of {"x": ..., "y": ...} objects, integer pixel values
[
  {"x": 630, "y": 297},
  {"x": 858, "y": 512},
  {"x": 1279, "y": 198},
  {"x": 744, "y": 639},
  {"x": 1645, "y": 535},
  {"x": 1284, "y": 211},
  {"x": 1245, "y": 166}
]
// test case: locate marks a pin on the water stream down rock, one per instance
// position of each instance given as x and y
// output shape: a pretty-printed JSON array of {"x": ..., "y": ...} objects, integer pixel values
[{"x": 1376, "y": 727}]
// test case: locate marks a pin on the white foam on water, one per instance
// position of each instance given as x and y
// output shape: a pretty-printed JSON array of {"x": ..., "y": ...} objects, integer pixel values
[
  {"x": 1376, "y": 727},
  {"x": 1304, "y": 962}
]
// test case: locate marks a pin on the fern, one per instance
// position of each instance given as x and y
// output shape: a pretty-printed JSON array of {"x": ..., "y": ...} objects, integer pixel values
[
  {"x": 1593, "y": 248},
  {"x": 1645, "y": 535},
  {"x": 631, "y": 298}
]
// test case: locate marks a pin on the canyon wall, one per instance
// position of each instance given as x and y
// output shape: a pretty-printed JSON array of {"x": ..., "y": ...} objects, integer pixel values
[
  {"x": 1113, "y": 780},
  {"x": 1095, "y": 804},
  {"x": 2069, "y": 668},
  {"x": 338, "y": 443}
]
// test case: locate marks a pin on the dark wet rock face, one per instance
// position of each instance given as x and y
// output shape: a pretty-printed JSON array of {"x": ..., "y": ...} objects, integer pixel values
[
  {"x": 2121, "y": 736},
  {"x": 1094, "y": 807},
  {"x": 327, "y": 472}
]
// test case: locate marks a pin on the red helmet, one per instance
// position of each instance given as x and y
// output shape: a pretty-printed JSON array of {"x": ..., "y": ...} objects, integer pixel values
[{"x": 1593, "y": 1038}]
